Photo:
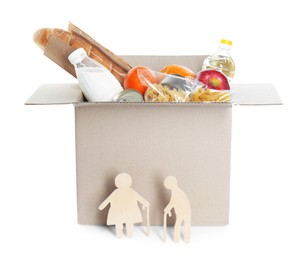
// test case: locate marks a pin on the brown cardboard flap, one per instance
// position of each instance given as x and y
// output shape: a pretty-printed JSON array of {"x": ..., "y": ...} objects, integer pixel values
[{"x": 49, "y": 94}]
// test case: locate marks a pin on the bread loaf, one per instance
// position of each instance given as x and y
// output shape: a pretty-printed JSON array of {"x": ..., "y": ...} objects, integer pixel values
[{"x": 76, "y": 38}]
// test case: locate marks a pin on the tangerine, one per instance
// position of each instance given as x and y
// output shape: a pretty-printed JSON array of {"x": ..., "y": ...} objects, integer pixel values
[
  {"x": 139, "y": 78},
  {"x": 178, "y": 69}
]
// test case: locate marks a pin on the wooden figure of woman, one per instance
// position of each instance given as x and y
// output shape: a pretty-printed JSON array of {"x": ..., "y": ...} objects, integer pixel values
[{"x": 124, "y": 206}]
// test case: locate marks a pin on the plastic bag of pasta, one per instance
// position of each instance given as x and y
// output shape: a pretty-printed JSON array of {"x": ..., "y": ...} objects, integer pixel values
[
  {"x": 169, "y": 88},
  {"x": 206, "y": 94}
]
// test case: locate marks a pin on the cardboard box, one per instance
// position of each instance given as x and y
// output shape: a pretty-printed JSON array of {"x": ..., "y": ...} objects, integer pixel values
[{"x": 149, "y": 141}]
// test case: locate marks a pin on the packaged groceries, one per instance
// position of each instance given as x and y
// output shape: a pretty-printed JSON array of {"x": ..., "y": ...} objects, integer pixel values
[{"x": 104, "y": 76}]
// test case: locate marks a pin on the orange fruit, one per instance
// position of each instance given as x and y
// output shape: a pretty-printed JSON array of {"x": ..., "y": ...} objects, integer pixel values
[
  {"x": 139, "y": 78},
  {"x": 178, "y": 69}
]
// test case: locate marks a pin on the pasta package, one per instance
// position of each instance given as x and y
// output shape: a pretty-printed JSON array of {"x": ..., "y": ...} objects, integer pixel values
[
  {"x": 169, "y": 87},
  {"x": 175, "y": 88},
  {"x": 210, "y": 95},
  {"x": 161, "y": 93}
]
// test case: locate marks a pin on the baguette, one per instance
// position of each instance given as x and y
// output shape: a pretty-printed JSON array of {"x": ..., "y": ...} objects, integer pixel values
[{"x": 76, "y": 38}]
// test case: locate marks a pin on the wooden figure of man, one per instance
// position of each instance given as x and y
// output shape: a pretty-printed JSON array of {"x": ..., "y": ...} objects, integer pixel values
[
  {"x": 123, "y": 206},
  {"x": 181, "y": 205}
]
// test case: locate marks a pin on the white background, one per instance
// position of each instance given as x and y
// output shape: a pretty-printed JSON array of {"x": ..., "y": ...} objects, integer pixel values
[{"x": 37, "y": 167}]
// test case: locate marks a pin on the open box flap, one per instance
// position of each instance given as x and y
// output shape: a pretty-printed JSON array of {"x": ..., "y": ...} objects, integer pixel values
[
  {"x": 52, "y": 94},
  {"x": 255, "y": 94},
  {"x": 243, "y": 94}
]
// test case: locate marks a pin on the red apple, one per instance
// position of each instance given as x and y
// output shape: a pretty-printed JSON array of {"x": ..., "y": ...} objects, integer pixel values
[{"x": 213, "y": 79}]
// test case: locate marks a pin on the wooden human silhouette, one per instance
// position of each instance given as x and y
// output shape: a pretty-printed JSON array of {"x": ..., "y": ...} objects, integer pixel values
[
  {"x": 124, "y": 206},
  {"x": 181, "y": 205}
]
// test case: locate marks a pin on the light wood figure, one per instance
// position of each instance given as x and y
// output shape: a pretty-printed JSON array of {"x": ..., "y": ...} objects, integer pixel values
[
  {"x": 181, "y": 205},
  {"x": 124, "y": 206}
]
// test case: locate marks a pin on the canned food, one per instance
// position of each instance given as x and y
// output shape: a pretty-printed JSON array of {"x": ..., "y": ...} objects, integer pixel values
[{"x": 128, "y": 95}]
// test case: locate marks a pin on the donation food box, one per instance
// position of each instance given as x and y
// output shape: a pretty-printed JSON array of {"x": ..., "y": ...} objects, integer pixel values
[{"x": 150, "y": 141}]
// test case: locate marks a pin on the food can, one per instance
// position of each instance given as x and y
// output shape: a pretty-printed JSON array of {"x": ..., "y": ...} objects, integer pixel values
[{"x": 128, "y": 95}]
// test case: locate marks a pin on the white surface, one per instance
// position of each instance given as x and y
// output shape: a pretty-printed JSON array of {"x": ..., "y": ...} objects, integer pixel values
[{"x": 37, "y": 170}]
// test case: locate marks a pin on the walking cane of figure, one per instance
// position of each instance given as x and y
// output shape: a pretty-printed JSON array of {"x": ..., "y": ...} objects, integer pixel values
[
  {"x": 124, "y": 206},
  {"x": 165, "y": 224},
  {"x": 148, "y": 221},
  {"x": 181, "y": 205}
]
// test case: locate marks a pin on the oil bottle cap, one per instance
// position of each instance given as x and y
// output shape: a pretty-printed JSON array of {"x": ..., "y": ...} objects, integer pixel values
[{"x": 227, "y": 42}]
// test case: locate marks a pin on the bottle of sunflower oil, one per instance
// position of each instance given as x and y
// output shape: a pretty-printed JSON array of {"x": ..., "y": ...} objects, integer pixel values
[{"x": 221, "y": 60}]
